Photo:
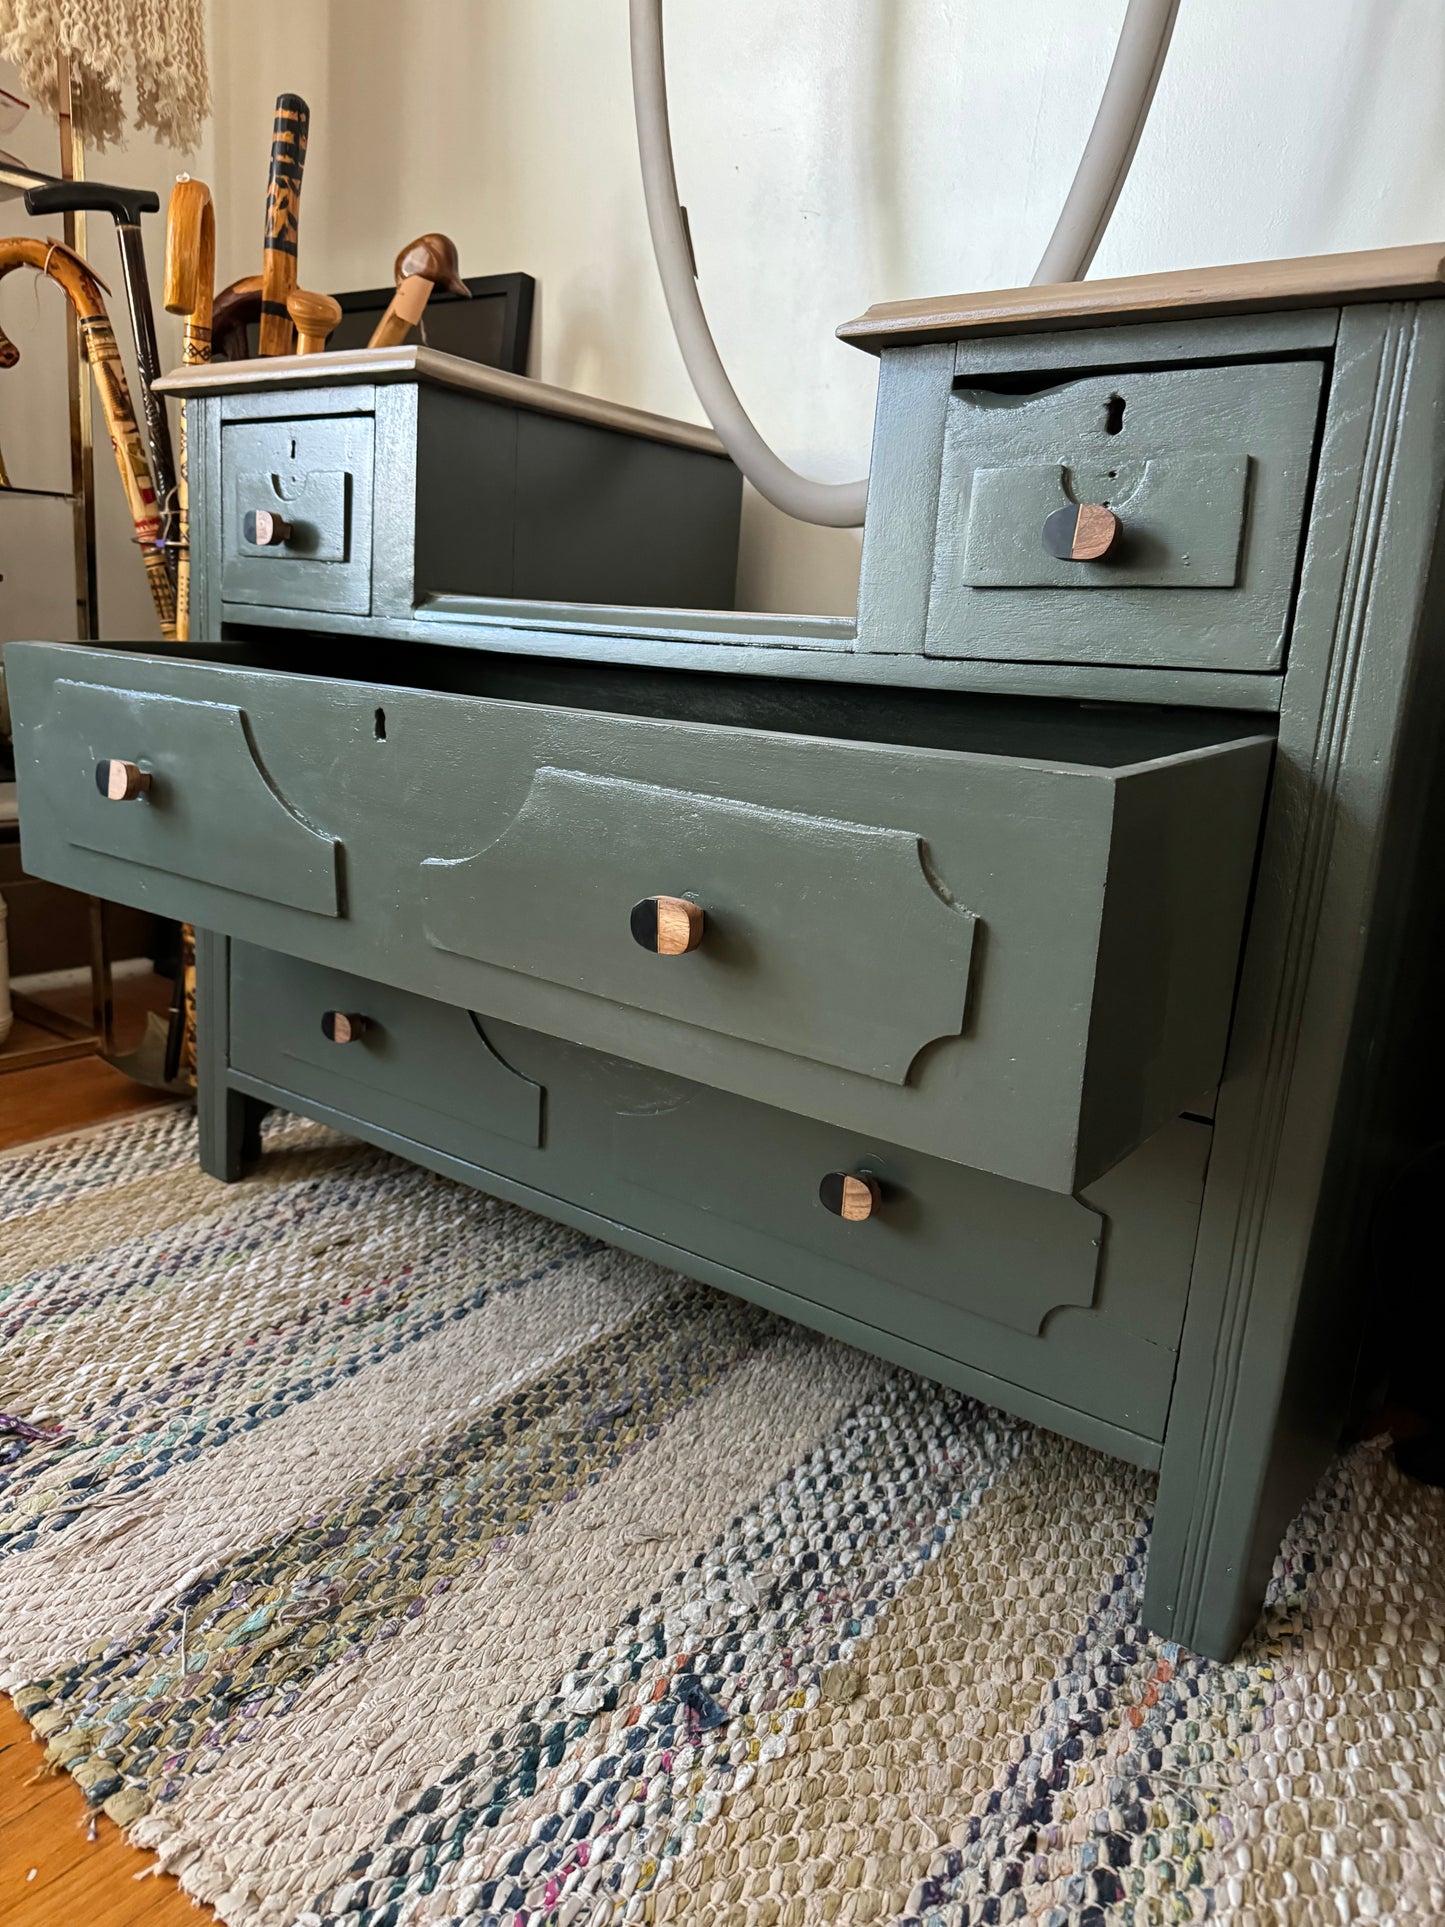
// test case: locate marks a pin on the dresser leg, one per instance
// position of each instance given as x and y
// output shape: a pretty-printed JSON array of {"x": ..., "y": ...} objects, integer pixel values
[
  {"x": 230, "y": 1131},
  {"x": 230, "y": 1122}
]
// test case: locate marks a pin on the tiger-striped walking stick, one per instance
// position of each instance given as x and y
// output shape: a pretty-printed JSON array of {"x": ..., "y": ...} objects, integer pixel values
[
  {"x": 83, "y": 289},
  {"x": 189, "y": 291},
  {"x": 283, "y": 208}
]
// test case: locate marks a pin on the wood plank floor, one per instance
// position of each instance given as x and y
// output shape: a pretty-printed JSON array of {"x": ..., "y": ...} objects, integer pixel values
[
  {"x": 51, "y": 1873},
  {"x": 65, "y": 1097}
]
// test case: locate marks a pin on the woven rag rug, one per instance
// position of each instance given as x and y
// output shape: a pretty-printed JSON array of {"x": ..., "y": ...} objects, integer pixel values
[{"x": 404, "y": 1557}]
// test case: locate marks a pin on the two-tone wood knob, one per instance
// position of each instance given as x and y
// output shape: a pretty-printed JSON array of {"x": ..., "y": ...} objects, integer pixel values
[
  {"x": 850, "y": 1195},
  {"x": 1081, "y": 532},
  {"x": 264, "y": 529},
  {"x": 671, "y": 926},
  {"x": 344, "y": 1026},
  {"x": 120, "y": 782}
]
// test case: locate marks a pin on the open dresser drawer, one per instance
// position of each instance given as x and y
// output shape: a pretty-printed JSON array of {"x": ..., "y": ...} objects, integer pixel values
[{"x": 1019, "y": 962}]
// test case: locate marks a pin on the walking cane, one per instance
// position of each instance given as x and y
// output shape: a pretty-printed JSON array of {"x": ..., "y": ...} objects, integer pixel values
[
  {"x": 189, "y": 291},
  {"x": 283, "y": 209},
  {"x": 83, "y": 289},
  {"x": 126, "y": 205}
]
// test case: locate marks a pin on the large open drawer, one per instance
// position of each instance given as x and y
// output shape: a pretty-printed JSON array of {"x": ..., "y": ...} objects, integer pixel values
[{"x": 1020, "y": 964}]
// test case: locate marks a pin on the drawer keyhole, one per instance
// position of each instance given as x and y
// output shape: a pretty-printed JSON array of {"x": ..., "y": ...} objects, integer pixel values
[
  {"x": 378, "y": 726},
  {"x": 1113, "y": 414}
]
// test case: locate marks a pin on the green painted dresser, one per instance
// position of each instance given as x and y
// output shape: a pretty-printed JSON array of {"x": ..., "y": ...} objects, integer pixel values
[{"x": 1017, "y": 980}]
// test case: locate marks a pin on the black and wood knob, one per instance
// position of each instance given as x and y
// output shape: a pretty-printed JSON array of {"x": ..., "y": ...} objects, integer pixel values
[
  {"x": 344, "y": 1026},
  {"x": 671, "y": 926},
  {"x": 1081, "y": 532},
  {"x": 120, "y": 782},
  {"x": 851, "y": 1195},
  {"x": 264, "y": 529}
]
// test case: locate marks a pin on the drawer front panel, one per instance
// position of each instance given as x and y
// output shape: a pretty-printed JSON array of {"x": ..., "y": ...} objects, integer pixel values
[
  {"x": 316, "y": 476},
  {"x": 1080, "y": 1300},
  {"x": 210, "y": 812},
  {"x": 781, "y": 892},
  {"x": 1206, "y": 471},
  {"x": 425, "y": 1067},
  {"x": 1021, "y": 966}
]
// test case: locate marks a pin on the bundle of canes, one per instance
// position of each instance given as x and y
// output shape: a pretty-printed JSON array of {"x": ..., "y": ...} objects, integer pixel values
[
  {"x": 189, "y": 291},
  {"x": 84, "y": 291}
]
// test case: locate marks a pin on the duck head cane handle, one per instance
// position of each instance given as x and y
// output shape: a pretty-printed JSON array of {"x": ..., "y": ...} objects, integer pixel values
[
  {"x": 283, "y": 210},
  {"x": 435, "y": 256},
  {"x": 430, "y": 261}
]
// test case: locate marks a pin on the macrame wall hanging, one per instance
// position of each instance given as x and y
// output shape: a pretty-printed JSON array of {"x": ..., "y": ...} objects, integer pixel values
[{"x": 157, "y": 48}]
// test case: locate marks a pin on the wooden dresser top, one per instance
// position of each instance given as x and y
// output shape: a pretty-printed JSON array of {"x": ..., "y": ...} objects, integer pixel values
[
  {"x": 414, "y": 362},
  {"x": 1313, "y": 281}
]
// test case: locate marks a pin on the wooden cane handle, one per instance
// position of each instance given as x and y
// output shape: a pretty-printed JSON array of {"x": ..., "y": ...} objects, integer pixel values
[
  {"x": 120, "y": 782},
  {"x": 315, "y": 316},
  {"x": 344, "y": 1026},
  {"x": 670, "y": 926},
  {"x": 851, "y": 1195},
  {"x": 283, "y": 210},
  {"x": 403, "y": 313}
]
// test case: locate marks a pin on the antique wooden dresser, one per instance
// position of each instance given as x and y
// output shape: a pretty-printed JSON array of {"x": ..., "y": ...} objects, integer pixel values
[{"x": 1016, "y": 981}]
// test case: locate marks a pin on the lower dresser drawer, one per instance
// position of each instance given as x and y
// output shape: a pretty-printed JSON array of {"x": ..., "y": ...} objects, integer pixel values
[
  {"x": 1009, "y": 942},
  {"x": 1080, "y": 1300}
]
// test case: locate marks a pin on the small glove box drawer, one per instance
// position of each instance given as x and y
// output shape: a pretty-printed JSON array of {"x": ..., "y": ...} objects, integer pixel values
[{"x": 1149, "y": 516}]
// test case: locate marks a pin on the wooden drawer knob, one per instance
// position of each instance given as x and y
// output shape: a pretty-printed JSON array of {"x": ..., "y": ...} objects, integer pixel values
[
  {"x": 263, "y": 530},
  {"x": 344, "y": 1026},
  {"x": 669, "y": 925},
  {"x": 120, "y": 782},
  {"x": 852, "y": 1195},
  {"x": 1082, "y": 532}
]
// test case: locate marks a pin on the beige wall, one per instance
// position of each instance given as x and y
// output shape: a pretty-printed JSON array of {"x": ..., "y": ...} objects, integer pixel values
[{"x": 832, "y": 153}]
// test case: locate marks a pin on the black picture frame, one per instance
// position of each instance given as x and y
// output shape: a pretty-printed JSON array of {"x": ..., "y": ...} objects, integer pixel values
[{"x": 494, "y": 327}]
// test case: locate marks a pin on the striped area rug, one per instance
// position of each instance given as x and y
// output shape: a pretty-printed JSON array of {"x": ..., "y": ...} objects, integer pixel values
[{"x": 404, "y": 1557}]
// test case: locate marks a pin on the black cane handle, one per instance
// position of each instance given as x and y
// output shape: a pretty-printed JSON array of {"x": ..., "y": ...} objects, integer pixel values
[{"x": 126, "y": 204}]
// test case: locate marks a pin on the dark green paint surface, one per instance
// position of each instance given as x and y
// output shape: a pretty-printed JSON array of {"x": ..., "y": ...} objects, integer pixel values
[
  {"x": 909, "y": 941},
  {"x": 1104, "y": 864},
  {"x": 1207, "y": 470},
  {"x": 978, "y": 1268}
]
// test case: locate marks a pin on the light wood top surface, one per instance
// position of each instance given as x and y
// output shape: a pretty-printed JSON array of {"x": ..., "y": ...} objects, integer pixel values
[
  {"x": 1312, "y": 281},
  {"x": 412, "y": 362}
]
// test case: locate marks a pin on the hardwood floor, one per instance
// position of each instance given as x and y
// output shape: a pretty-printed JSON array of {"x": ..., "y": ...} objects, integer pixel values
[
  {"x": 51, "y": 1873},
  {"x": 66, "y": 1097}
]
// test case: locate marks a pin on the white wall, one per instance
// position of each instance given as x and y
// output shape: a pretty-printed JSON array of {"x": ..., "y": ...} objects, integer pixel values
[{"x": 832, "y": 153}]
